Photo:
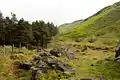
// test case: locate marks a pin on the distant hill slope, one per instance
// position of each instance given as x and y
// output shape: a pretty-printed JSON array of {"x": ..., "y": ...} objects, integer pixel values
[
  {"x": 103, "y": 27},
  {"x": 64, "y": 28}
]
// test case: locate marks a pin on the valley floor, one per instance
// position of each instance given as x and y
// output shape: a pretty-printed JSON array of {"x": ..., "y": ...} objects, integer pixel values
[{"x": 86, "y": 63}]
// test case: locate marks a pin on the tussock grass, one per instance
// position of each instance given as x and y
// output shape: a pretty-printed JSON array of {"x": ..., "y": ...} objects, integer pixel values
[{"x": 7, "y": 70}]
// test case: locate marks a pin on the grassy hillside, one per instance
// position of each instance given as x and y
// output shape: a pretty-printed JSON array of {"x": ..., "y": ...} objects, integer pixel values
[
  {"x": 95, "y": 47},
  {"x": 103, "y": 27}
]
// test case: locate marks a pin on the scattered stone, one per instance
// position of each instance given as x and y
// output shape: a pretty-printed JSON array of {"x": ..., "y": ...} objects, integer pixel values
[
  {"x": 98, "y": 48},
  {"x": 71, "y": 55},
  {"x": 107, "y": 59},
  {"x": 79, "y": 39},
  {"x": 91, "y": 40},
  {"x": 106, "y": 51},
  {"x": 83, "y": 53},
  {"x": 71, "y": 79},
  {"x": 117, "y": 50},
  {"x": 77, "y": 51},
  {"x": 106, "y": 48},
  {"x": 117, "y": 59},
  {"x": 88, "y": 54},
  {"x": 95, "y": 58},
  {"x": 84, "y": 49},
  {"x": 102, "y": 77}
]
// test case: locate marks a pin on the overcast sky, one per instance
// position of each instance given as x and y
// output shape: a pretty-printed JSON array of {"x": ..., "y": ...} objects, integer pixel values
[{"x": 57, "y": 11}]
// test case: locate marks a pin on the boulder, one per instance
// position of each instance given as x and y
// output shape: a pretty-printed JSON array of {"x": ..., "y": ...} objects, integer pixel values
[
  {"x": 59, "y": 51},
  {"x": 55, "y": 52},
  {"x": 117, "y": 58},
  {"x": 61, "y": 66},
  {"x": 117, "y": 50},
  {"x": 23, "y": 65}
]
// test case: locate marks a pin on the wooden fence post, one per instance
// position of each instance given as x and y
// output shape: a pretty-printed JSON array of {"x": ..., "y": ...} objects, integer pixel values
[
  {"x": 12, "y": 48},
  {"x": 4, "y": 51},
  {"x": 20, "y": 47}
]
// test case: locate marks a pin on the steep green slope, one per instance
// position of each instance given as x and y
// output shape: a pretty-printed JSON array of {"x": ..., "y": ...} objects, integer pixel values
[{"x": 103, "y": 27}]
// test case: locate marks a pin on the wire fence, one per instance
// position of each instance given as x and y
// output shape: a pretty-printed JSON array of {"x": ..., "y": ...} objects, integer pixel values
[{"x": 9, "y": 50}]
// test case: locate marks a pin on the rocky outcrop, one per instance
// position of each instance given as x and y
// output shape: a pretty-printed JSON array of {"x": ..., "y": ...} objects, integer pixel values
[
  {"x": 117, "y": 51},
  {"x": 43, "y": 62},
  {"x": 63, "y": 51}
]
